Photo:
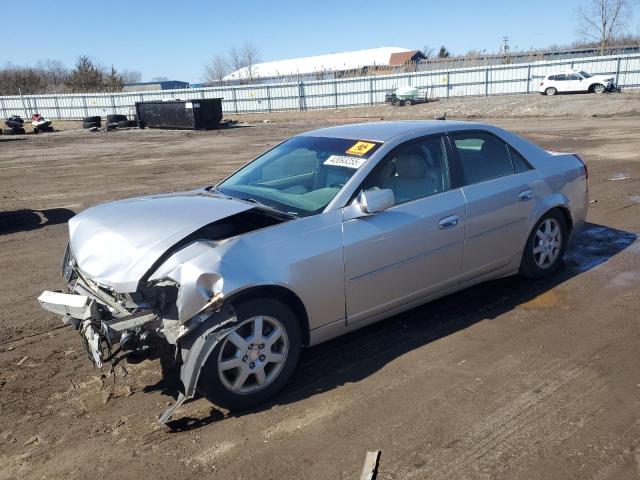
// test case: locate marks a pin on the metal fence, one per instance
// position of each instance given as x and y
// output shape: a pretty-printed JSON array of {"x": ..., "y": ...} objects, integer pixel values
[{"x": 334, "y": 93}]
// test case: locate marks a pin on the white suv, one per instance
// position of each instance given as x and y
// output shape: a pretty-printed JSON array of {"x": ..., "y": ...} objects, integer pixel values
[{"x": 575, "y": 81}]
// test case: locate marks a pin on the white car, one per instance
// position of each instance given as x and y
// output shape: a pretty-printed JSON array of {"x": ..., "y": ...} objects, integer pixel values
[{"x": 576, "y": 81}]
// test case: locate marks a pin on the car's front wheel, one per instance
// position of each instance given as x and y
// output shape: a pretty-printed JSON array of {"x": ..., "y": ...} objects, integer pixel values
[
  {"x": 550, "y": 91},
  {"x": 545, "y": 246},
  {"x": 599, "y": 88},
  {"x": 255, "y": 361}
]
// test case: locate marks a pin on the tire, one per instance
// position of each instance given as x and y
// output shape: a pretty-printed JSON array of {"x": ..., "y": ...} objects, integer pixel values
[
  {"x": 598, "y": 88},
  {"x": 35, "y": 130},
  {"x": 550, "y": 91},
  {"x": 216, "y": 385},
  {"x": 116, "y": 118},
  {"x": 91, "y": 124},
  {"x": 96, "y": 119},
  {"x": 544, "y": 250}
]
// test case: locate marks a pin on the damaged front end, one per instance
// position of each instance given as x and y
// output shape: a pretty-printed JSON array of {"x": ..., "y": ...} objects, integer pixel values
[
  {"x": 109, "y": 322},
  {"x": 113, "y": 325},
  {"x": 177, "y": 307}
]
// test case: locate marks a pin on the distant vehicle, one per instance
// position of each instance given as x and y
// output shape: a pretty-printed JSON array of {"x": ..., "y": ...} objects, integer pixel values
[
  {"x": 331, "y": 230},
  {"x": 576, "y": 81},
  {"x": 406, "y": 95}
]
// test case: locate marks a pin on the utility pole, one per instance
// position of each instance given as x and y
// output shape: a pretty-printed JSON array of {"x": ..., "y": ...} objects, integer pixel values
[{"x": 504, "y": 46}]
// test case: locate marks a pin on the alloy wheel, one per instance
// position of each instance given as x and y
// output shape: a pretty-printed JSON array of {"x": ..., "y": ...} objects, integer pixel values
[
  {"x": 253, "y": 355},
  {"x": 547, "y": 243}
]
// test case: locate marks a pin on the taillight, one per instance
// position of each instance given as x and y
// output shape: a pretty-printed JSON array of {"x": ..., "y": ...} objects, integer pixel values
[
  {"x": 586, "y": 169},
  {"x": 541, "y": 83}
]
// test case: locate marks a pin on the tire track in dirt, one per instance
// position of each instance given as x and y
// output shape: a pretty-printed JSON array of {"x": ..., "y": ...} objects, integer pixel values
[{"x": 509, "y": 427}]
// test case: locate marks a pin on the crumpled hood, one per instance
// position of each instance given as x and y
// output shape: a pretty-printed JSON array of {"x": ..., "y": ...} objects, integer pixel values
[{"x": 116, "y": 243}]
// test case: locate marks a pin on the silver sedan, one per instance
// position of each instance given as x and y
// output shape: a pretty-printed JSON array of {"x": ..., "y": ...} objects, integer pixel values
[{"x": 329, "y": 231}]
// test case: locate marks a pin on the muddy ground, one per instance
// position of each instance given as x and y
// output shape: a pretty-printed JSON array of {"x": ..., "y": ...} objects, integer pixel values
[{"x": 512, "y": 379}]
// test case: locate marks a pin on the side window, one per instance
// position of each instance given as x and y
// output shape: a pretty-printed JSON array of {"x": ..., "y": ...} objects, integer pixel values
[
  {"x": 519, "y": 163},
  {"x": 551, "y": 77},
  {"x": 573, "y": 77},
  {"x": 415, "y": 169},
  {"x": 561, "y": 77},
  {"x": 482, "y": 157}
]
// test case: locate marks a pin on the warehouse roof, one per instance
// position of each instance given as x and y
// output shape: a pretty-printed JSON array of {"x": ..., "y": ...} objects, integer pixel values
[{"x": 321, "y": 63}]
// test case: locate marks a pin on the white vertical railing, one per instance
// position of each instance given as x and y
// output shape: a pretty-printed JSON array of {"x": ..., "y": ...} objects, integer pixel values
[{"x": 333, "y": 93}]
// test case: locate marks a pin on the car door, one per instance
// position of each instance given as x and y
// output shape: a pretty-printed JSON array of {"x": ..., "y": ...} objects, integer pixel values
[
  {"x": 574, "y": 83},
  {"x": 561, "y": 83},
  {"x": 499, "y": 187},
  {"x": 414, "y": 248}
]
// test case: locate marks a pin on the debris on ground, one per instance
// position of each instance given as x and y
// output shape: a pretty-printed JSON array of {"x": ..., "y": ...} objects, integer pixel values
[
  {"x": 22, "y": 360},
  {"x": 370, "y": 468},
  {"x": 31, "y": 440},
  {"x": 619, "y": 176}
]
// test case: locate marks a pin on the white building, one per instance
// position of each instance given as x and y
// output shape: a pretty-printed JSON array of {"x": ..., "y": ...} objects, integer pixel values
[{"x": 332, "y": 62}]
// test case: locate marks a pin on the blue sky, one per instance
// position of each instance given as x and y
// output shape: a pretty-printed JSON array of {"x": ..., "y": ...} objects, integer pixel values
[{"x": 174, "y": 39}]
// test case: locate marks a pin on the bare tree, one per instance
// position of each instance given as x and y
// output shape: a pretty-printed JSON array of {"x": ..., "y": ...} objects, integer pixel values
[
  {"x": 54, "y": 72},
  {"x": 603, "y": 20},
  {"x": 159, "y": 79},
  {"x": 216, "y": 70},
  {"x": 250, "y": 56},
  {"x": 236, "y": 60},
  {"x": 428, "y": 52},
  {"x": 15, "y": 80},
  {"x": 131, "y": 76},
  {"x": 113, "y": 81},
  {"x": 243, "y": 60}
]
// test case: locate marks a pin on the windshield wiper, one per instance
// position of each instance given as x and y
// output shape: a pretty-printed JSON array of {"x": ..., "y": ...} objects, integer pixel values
[{"x": 268, "y": 207}]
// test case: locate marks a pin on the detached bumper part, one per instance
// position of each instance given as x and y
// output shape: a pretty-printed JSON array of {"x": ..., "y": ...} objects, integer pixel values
[{"x": 67, "y": 305}]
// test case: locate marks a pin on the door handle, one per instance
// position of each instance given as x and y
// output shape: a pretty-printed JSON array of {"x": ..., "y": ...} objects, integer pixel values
[
  {"x": 448, "y": 222},
  {"x": 525, "y": 195}
]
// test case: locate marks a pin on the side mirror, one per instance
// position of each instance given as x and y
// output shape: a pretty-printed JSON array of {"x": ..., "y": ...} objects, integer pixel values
[{"x": 374, "y": 201}]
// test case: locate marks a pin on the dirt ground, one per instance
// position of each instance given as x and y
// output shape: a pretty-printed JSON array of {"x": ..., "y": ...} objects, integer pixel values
[{"x": 511, "y": 379}]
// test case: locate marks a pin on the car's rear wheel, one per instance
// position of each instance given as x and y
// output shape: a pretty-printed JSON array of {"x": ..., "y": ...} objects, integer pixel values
[
  {"x": 599, "y": 88},
  {"x": 551, "y": 91},
  {"x": 545, "y": 246},
  {"x": 253, "y": 362}
]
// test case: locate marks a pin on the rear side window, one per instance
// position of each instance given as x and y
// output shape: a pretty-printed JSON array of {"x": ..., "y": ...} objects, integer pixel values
[
  {"x": 482, "y": 157},
  {"x": 551, "y": 77},
  {"x": 519, "y": 162}
]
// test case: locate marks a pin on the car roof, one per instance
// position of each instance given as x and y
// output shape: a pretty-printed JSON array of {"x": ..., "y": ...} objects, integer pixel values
[{"x": 383, "y": 131}]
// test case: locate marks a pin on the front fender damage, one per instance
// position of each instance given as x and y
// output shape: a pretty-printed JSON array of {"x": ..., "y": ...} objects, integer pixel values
[{"x": 195, "y": 348}]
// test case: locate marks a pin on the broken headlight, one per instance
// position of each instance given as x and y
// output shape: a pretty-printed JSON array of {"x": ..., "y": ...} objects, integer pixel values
[{"x": 67, "y": 263}]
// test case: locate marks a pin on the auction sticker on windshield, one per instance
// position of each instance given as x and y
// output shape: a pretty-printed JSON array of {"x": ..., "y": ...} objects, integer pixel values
[
  {"x": 360, "y": 148},
  {"x": 345, "y": 161}
]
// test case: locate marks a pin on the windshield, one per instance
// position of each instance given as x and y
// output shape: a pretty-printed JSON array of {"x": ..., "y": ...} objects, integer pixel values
[
  {"x": 585, "y": 74},
  {"x": 300, "y": 176}
]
